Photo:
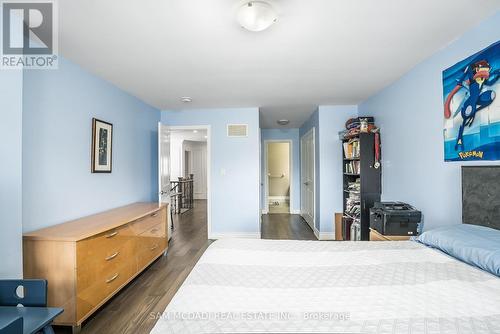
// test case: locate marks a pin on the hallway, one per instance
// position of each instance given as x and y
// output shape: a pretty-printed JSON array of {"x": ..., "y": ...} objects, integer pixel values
[{"x": 285, "y": 227}]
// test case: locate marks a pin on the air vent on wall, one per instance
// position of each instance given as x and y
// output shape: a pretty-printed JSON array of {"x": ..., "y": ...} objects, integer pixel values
[{"x": 237, "y": 130}]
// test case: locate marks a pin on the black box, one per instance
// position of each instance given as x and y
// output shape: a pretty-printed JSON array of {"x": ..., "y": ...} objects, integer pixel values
[{"x": 394, "y": 218}]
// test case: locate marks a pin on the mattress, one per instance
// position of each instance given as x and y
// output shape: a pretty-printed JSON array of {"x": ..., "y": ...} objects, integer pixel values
[{"x": 284, "y": 286}]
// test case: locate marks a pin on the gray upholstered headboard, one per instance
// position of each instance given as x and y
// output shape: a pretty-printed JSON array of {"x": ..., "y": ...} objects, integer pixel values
[{"x": 481, "y": 196}]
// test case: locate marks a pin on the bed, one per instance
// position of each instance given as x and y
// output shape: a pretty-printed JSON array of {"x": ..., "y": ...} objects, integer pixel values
[{"x": 276, "y": 286}]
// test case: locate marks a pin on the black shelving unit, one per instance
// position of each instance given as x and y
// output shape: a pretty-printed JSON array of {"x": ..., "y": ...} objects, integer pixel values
[{"x": 370, "y": 185}]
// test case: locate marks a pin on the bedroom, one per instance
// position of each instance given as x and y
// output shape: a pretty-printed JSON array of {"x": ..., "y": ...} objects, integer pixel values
[{"x": 199, "y": 65}]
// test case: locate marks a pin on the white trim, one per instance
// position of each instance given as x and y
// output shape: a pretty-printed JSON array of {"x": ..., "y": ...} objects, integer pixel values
[
  {"x": 316, "y": 232},
  {"x": 326, "y": 235},
  {"x": 248, "y": 235},
  {"x": 295, "y": 212},
  {"x": 264, "y": 212},
  {"x": 209, "y": 165},
  {"x": 290, "y": 177}
]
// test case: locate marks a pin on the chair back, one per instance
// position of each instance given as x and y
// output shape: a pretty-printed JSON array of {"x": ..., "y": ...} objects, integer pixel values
[
  {"x": 14, "y": 326},
  {"x": 28, "y": 292}
]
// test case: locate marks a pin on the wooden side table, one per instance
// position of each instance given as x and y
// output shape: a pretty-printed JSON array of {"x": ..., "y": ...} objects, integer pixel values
[{"x": 376, "y": 236}]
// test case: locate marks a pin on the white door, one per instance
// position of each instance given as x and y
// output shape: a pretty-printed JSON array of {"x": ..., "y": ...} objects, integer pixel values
[
  {"x": 307, "y": 187},
  {"x": 199, "y": 171},
  {"x": 164, "y": 170}
]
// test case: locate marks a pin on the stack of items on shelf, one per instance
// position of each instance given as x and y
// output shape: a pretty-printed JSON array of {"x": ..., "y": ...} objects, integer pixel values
[
  {"x": 352, "y": 212},
  {"x": 356, "y": 125}
]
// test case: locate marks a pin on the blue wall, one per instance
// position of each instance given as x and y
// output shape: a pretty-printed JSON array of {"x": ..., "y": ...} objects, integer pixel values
[
  {"x": 58, "y": 110},
  {"x": 11, "y": 85},
  {"x": 410, "y": 115},
  {"x": 283, "y": 134},
  {"x": 331, "y": 121},
  {"x": 235, "y": 195}
]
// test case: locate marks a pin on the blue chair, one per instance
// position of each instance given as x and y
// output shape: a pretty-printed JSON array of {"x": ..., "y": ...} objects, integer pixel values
[
  {"x": 12, "y": 327},
  {"x": 32, "y": 294}
]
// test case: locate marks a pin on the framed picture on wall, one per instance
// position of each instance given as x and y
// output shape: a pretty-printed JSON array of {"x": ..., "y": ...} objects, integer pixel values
[{"x": 102, "y": 146}]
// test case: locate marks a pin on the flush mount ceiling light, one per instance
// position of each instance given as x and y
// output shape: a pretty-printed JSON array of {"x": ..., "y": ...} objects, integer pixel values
[
  {"x": 186, "y": 99},
  {"x": 283, "y": 122},
  {"x": 256, "y": 15}
]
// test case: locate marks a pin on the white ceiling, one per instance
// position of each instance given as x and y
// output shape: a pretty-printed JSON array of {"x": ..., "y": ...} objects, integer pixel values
[{"x": 319, "y": 51}]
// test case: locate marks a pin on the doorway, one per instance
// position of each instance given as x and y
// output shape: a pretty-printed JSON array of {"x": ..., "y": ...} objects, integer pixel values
[
  {"x": 278, "y": 176},
  {"x": 307, "y": 184},
  {"x": 189, "y": 179}
]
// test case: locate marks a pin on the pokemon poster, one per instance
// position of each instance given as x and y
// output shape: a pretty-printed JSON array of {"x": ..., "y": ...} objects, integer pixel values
[{"x": 472, "y": 108}]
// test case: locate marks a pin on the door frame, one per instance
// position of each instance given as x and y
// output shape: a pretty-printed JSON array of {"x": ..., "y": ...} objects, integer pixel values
[
  {"x": 311, "y": 131},
  {"x": 208, "y": 128},
  {"x": 266, "y": 178}
]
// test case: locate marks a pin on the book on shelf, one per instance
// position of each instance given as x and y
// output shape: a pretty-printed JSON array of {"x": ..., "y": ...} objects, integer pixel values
[
  {"x": 353, "y": 167},
  {"x": 351, "y": 149}
]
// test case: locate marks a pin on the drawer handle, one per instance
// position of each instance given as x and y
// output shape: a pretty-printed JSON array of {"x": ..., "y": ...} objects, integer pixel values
[
  {"x": 109, "y": 280},
  {"x": 111, "y": 257},
  {"x": 154, "y": 214},
  {"x": 112, "y": 234},
  {"x": 154, "y": 247}
]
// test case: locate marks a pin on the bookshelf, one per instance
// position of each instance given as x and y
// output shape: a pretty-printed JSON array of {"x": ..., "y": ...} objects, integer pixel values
[{"x": 361, "y": 183}]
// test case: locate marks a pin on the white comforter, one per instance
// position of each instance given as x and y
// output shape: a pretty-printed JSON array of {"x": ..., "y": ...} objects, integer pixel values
[{"x": 282, "y": 286}]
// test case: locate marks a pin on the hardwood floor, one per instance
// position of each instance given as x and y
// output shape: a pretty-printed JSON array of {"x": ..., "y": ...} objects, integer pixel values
[
  {"x": 285, "y": 226},
  {"x": 130, "y": 311}
]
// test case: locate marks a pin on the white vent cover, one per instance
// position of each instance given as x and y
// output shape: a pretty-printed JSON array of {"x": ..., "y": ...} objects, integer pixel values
[{"x": 237, "y": 130}]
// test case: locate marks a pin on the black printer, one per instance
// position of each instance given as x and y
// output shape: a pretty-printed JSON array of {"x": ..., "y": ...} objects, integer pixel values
[{"x": 394, "y": 218}]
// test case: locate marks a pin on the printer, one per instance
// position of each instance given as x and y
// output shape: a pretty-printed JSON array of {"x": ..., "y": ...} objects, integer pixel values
[{"x": 394, "y": 218}]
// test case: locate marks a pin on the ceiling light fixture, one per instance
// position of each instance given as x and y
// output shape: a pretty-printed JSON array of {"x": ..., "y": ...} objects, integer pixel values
[
  {"x": 186, "y": 99},
  {"x": 256, "y": 15},
  {"x": 283, "y": 122},
  {"x": 195, "y": 131}
]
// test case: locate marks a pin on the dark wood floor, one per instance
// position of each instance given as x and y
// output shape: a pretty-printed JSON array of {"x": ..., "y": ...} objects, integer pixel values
[
  {"x": 130, "y": 310},
  {"x": 285, "y": 226}
]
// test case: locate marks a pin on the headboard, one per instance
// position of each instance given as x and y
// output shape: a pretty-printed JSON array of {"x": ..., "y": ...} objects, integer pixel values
[{"x": 481, "y": 196}]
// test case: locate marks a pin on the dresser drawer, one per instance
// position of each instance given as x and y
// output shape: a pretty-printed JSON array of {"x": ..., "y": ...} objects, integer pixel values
[
  {"x": 91, "y": 270},
  {"x": 146, "y": 223},
  {"x": 95, "y": 294},
  {"x": 103, "y": 244},
  {"x": 151, "y": 244}
]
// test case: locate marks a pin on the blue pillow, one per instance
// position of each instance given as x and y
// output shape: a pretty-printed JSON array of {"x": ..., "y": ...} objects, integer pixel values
[{"x": 476, "y": 245}]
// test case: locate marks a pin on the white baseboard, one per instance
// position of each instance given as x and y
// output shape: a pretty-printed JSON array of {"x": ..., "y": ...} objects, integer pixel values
[
  {"x": 249, "y": 235},
  {"x": 295, "y": 212},
  {"x": 324, "y": 235},
  {"x": 264, "y": 212},
  {"x": 327, "y": 236}
]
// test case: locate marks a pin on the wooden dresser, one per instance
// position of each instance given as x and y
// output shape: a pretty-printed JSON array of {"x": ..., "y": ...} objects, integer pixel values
[{"x": 87, "y": 261}]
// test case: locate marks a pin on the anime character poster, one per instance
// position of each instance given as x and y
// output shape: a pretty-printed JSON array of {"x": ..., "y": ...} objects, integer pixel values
[{"x": 472, "y": 107}]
